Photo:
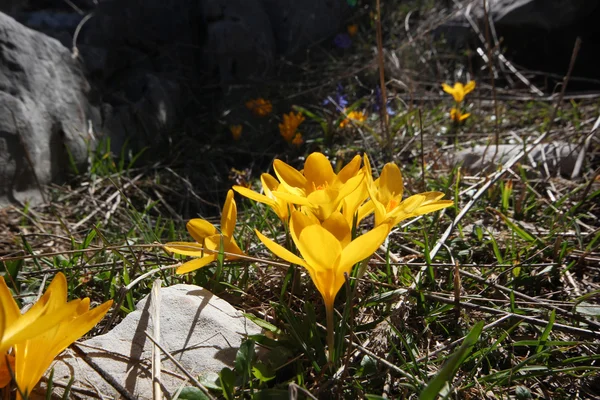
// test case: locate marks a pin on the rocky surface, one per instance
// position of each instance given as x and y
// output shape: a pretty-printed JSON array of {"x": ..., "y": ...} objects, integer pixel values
[
  {"x": 536, "y": 34},
  {"x": 149, "y": 63},
  {"x": 547, "y": 159},
  {"x": 45, "y": 112},
  {"x": 201, "y": 331}
]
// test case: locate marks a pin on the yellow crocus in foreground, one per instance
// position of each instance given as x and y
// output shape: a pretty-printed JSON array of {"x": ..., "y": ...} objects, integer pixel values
[
  {"x": 207, "y": 237},
  {"x": 318, "y": 188},
  {"x": 16, "y": 327},
  {"x": 43, "y": 332},
  {"x": 34, "y": 356},
  {"x": 327, "y": 254},
  {"x": 269, "y": 185},
  {"x": 386, "y": 199},
  {"x": 459, "y": 91}
]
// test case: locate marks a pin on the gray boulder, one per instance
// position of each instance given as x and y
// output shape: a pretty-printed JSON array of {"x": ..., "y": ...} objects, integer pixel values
[
  {"x": 200, "y": 330},
  {"x": 45, "y": 112}
]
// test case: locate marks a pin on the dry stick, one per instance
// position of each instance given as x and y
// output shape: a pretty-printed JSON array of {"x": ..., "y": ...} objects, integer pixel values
[
  {"x": 499, "y": 54},
  {"x": 493, "y": 82},
  {"x": 422, "y": 150},
  {"x": 108, "y": 378},
  {"x": 178, "y": 365},
  {"x": 383, "y": 109},
  {"x": 156, "y": 363}
]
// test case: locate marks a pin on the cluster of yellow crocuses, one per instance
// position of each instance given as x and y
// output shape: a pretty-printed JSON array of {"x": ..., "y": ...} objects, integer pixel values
[
  {"x": 321, "y": 209},
  {"x": 29, "y": 342}
]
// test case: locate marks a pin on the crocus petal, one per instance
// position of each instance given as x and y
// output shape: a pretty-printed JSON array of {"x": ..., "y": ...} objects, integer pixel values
[
  {"x": 447, "y": 88},
  {"x": 350, "y": 169},
  {"x": 289, "y": 176},
  {"x": 337, "y": 225},
  {"x": 229, "y": 216},
  {"x": 469, "y": 87},
  {"x": 199, "y": 229},
  {"x": 390, "y": 183},
  {"x": 34, "y": 356},
  {"x": 195, "y": 264},
  {"x": 252, "y": 195},
  {"x": 280, "y": 251},
  {"x": 185, "y": 248},
  {"x": 318, "y": 247},
  {"x": 318, "y": 171},
  {"x": 362, "y": 247}
]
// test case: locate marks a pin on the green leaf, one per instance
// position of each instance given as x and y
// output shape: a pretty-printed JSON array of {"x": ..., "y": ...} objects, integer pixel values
[
  {"x": 351, "y": 3},
  {"x": 244, "y": 358},
  {"x": 192, "y": 393},
  {"x": 546, "y": 333},
  {"x": 263, "y": 324},
  {"x": 449, "y": 370},
  {"x": 263, "y": 372},
  {"x": 227, "y": 378}
]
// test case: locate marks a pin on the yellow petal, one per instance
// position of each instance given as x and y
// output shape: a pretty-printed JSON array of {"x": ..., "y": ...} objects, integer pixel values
[
  {"x": 362, "y": 247},
  {"x": 34, "y": 356},
  {"x": 318, "y": 171},
  {"x": 289, "y": 176},
  {"x": 350, "y": 169},
  {"x": 9, "y": 310},
  {"x": 337, "y": 225},
  {"x": 196, "y": 263},
  {"x": 292, "y": 198},
  {"x": 229, "y": 216},
  {"x": 447, "y": 88},
  {"x": 199, "y": 229},
  {"x": 390, "y": 183},
  {"x": 252, "y": 195},
  {"x": 469, "y": 87},
  {"x": 279, "y": 250},
  {"x": 185, "y": 248},
  {"x": 319, "y": 248}
]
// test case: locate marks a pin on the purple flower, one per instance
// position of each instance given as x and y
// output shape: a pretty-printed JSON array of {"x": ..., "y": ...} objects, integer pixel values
[
  {"x": 338, "y": 99},
  {"x": 342, "y": 40},
  {"x": 377, "y": 103}
]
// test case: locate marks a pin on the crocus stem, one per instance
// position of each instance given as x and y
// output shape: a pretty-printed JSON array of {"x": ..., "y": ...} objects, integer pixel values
[{"x": 330, "y": 336}]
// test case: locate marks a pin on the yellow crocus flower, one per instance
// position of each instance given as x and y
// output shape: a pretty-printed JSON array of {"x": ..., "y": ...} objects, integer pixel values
[
  {"x": 327, "y": 253},
  {"x": 207, "y": 236},
  {"x": 459, "y": 91},
  {"x": 269, "y": 185},
  {"x": 317, "y": 188},
  {"x": 386, "y": 199},
  {"x": 52, "y": 324},
  {"x": 457, "y": 116}
]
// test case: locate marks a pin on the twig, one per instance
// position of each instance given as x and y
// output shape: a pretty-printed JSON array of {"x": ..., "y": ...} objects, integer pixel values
[
  {"x": 156, "y": 363},
  {"x": 108, "y": 378},
  {"x": 178, "y": 365}
]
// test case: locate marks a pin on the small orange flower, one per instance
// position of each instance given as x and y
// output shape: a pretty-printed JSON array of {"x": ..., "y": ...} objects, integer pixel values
[
  {"x": 289, "y": 125},
  {"x": 236, "y": 131},
  {"x": 259, "y": 107},
  {"x": 356, "y": 116},
  {"x": 297, "y": 141},
  {"x": 457, "y": 116},
  {"x": 352, "y": 29}
]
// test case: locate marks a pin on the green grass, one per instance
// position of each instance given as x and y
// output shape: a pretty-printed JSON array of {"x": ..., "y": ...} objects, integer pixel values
[{"x": 507, "y": 308}]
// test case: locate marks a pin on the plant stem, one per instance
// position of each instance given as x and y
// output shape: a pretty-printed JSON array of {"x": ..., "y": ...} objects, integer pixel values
[{"x": 330, "y": 336}]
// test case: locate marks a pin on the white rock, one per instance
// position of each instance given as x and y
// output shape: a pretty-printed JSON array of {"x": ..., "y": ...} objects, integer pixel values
[{"x": 202, "y": 331}]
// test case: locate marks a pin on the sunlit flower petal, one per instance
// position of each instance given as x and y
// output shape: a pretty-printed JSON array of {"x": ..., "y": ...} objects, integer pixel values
[{"x": 208, "y": 237}]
